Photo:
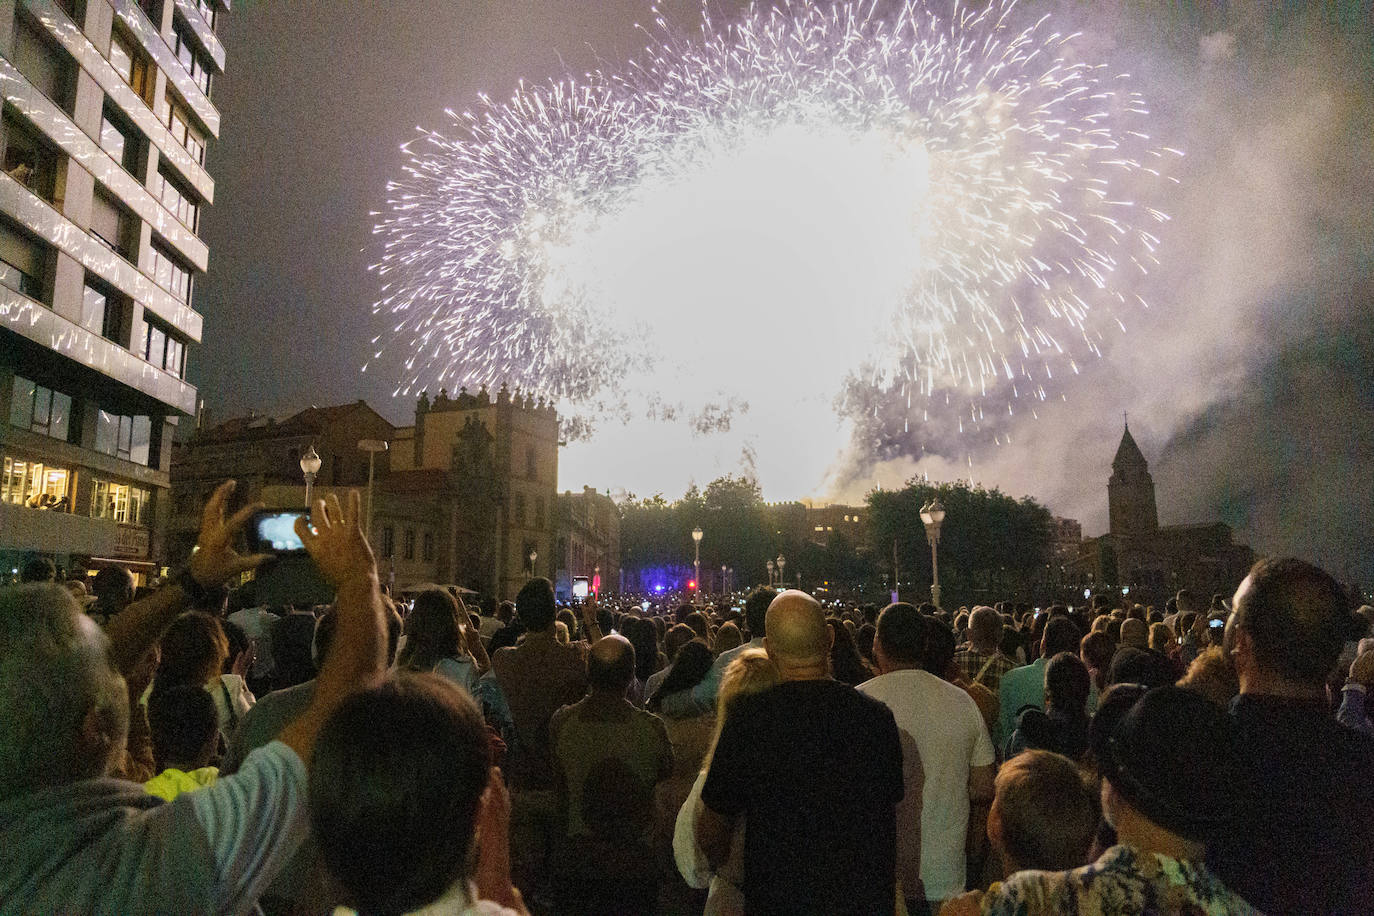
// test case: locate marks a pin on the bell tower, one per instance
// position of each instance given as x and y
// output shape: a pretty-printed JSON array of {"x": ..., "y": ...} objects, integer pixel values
[{"x": 1131, "y": 492}]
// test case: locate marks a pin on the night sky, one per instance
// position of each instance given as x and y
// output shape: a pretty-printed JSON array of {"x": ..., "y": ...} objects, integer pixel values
[{"x": 1248, "y": 384}]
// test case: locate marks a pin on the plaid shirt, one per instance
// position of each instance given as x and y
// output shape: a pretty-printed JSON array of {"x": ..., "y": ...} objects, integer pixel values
[{"x": 971, "y": 662}]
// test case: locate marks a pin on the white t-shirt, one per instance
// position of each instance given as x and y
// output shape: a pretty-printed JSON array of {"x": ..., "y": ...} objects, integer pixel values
[{"x": 943, "y": 736}]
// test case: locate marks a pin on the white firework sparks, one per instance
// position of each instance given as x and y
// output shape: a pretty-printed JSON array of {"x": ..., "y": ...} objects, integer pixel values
[{"x": 934, "y": 209}]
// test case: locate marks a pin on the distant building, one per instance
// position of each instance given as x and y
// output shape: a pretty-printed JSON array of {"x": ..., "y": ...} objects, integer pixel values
[
  {"x": 107, "y": 113},
  {"x": 495, "y": 505},
  {"x": 264, "y": 456},
  {"x": 1138, "y": 552},
  {"x": 824, "y": 522},
  {"x": 1066, "y": 539},
  {"x": 463, "y": 497},
  {"x": 588, "y": 540}
]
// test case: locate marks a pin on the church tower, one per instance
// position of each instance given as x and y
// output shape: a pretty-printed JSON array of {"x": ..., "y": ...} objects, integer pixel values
[{"x": 1131, "y": 492}]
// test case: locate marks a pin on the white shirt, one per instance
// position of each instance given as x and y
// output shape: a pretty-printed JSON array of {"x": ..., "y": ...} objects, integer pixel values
[{"x": 943, "y": 736}]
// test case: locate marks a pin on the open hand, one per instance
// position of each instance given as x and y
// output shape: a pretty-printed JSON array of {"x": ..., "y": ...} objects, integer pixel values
[
  {"x": 336, "y": 541},
  {"x": 214, "y": 560}
]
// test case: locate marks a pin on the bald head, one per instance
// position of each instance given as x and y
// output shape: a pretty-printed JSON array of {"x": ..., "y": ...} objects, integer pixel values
[
  {"x": 611, "y": 664},
  {"x": 796, "y": 636}
]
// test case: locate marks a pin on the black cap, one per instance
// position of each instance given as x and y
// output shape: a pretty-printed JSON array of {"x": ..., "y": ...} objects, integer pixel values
[{"x": 1173, "y": 757}]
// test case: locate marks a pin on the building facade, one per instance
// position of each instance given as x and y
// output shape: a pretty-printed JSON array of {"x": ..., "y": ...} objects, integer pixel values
[
  {"x": 588, "y": 541},
  {"x": 106, "y": 118},
  {"x": 1156, "y": 560},
  {"x": 493, "y": 464},
  {"x": 264, "y": 456}
]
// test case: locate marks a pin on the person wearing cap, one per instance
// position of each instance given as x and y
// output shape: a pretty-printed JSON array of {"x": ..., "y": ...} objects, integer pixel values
[{"x": 1168, "y": 774}]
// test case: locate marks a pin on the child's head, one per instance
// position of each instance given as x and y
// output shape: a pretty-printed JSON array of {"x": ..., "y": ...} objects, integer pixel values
[
  {"x": 1044, "y": 815},
  {"x": 184, "y": 727}
]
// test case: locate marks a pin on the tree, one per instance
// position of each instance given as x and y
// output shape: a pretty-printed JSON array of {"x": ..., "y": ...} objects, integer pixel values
[{"x": 991, "y": 546}]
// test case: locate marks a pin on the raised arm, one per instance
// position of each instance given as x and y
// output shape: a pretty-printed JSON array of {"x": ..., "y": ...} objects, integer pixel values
[
  {"x": 214, "y": 561},
  {"x": 357, "y": 655},
  {"x": 472, "y": 640}
]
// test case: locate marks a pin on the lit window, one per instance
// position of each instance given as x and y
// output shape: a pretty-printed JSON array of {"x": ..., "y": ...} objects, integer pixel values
[
  {"x": 35, "y": 485},
  {"x": 176, "y": 199},
  {"x": 120, "y": 502}
]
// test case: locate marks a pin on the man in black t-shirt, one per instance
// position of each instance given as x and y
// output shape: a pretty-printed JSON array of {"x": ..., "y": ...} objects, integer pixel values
[{"x": 815, "y": 769}]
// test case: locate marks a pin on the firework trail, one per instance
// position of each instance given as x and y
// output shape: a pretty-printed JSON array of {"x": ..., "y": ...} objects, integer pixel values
[{"x": 937, "y": 207}]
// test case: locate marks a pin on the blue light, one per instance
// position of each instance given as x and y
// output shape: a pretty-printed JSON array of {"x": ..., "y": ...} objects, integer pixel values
[{"x": 658, "y": 589}]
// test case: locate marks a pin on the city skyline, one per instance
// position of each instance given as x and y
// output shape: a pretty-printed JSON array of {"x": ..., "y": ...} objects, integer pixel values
[{"x": 1239, "y": 385}]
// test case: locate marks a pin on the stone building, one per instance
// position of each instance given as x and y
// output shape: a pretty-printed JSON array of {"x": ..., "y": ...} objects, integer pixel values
[
  {"x": 1156, "y": 560},
  {"x": 263, "y": 455},
  {"x": 588, "y": 541},
  {"x": 492, "y": 465},
  {"x": 463, "y": 497}
]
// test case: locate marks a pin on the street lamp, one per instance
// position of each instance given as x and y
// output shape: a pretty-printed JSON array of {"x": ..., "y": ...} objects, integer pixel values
[
  {"x": 723, "y": 590},
  {"x": 770, "y": 573},
  {"x": 534, "y": 555},
  {"x": 782, "y": 583},
  {"x": 310, "y": 466},
  {"x": 932, "y": 514},
  {"x": 696, "y": 539},
  {"x": 372, "y": 447}
]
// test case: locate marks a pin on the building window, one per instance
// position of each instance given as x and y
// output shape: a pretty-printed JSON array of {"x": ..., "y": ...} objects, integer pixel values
[
  {"x": 123, "y": 437},
  {"x": 36, "y": 485},
  {"x": 408, "y": 550},
  {"x": 427, "y": 550},
  {"x": 119, "y": 139},
  {"x": 388, "y": 542},
  {"x": 29, "y": 159},
  {"x": 539, "y": 512},
  {"x": 153, "y": 10},
  {"x": 188, "y": 51},
  {"x": 132, "y": 65},
  {"x": 531, "y": 467},
  {"x": 112, "y": 224},
  {"x": 121, "y": 502},
  {"x": 520, "y": 507},
  {"x": 176, "y": 198},
  {"x": 171, "y": 273},
  {"x": 178, "y": 120},
  {"x": 43, "y": 62},
  {"x": 207, "y": 12},
  {"x": 104, "y": 312},
  {"x": 159, "y": 346},
  {"x": 39, "y": 409},
  {"x": 22, "y": 262}
]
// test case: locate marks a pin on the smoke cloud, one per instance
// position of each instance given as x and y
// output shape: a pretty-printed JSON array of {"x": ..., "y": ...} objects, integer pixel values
[{"x": 1247, "y": 382}]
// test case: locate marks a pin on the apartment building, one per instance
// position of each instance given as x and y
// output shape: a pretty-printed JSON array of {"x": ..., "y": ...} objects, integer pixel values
[{"x": 106, "y": 115}]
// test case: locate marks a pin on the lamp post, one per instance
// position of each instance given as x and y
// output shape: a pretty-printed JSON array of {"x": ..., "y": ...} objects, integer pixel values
[
  {"x": 696, "y": 563},
  {"x": 534, "y": 555},
  {"x": 372, "y": 447},
  {"x": 770, "y": 573},
  {"x": 724, "y": 590},
  {"x": 782, "y": 561},
  {"x": 932, "y": 514},
  {"x": 310, "y": 466}
]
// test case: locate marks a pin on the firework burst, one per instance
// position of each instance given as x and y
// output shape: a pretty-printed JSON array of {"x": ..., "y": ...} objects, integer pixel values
[{"x": 936, "y": 207}]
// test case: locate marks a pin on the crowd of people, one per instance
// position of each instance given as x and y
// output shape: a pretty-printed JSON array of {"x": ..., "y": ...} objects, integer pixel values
[{"x": 188, "y": 752}]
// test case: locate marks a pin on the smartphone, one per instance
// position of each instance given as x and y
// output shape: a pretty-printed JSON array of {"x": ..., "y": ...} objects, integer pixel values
[
  {"x": 290, "y": 576},
  {"x": 274, "y": 531},
  {"x": 1216, "y": 625}
]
